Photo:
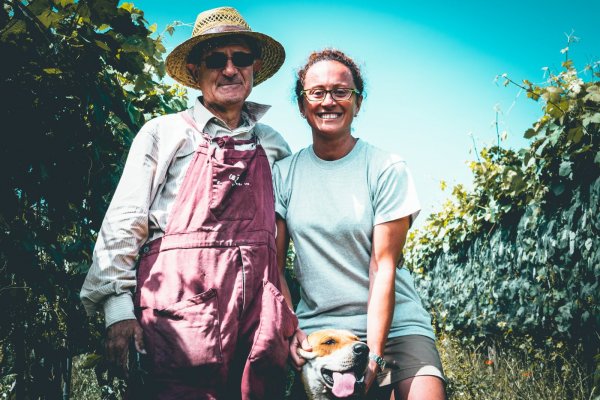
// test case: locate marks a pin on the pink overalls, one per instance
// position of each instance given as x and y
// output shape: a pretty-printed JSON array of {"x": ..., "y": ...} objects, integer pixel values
[{"x": 215, "y": 323}]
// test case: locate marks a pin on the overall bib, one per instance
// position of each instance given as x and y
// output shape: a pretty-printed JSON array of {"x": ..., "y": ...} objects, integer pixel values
[{"x": 215, "y": 323}]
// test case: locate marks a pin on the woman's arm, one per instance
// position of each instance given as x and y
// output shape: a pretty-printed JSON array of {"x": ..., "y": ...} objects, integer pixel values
[{"x": 388, "y": 241}]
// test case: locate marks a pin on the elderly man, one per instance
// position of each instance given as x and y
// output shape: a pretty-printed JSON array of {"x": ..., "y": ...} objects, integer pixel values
[{"x": 201, "y": 303}]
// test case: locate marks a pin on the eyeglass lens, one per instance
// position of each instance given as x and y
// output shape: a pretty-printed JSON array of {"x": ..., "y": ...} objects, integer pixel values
[
  {"x": 219, "y": 60},
  {"x": 337, "y": 94}
]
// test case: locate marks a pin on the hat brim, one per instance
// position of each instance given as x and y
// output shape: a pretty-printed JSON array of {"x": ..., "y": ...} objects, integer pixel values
[{"x": 272, "y": 57}]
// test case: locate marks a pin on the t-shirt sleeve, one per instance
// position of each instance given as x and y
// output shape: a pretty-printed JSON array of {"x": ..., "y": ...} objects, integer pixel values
[
  {"x": 396, "y": 196},
  {"x": 281, "y": 200}
]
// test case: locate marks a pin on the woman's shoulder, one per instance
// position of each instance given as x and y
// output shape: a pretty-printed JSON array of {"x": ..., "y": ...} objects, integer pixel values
[
  {"x": 286, "y": 166},
  {"x": 381, "y": 159},
  {"x": 294, "y": 158}
]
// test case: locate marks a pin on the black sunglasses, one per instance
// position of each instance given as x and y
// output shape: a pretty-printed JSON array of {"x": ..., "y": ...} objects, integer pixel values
[{"x": 238, "y": 58}]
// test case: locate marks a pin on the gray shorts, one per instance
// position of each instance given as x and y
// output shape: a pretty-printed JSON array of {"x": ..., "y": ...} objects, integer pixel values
[{"x": 410, "y": 356}]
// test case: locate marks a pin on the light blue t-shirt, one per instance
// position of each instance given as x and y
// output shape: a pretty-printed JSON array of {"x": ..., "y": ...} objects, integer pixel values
[{"x": 330, "y": 208}]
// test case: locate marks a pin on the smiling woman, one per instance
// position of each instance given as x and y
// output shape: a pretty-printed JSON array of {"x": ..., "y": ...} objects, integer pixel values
[
  {"x": 329, "y": 90},
  {"x": 318, "y": 191}
]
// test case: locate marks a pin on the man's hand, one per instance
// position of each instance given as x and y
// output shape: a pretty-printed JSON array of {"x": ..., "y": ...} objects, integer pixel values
[
  {"x": 298, "y": 340},
  {"x": 118, "y": 338}
]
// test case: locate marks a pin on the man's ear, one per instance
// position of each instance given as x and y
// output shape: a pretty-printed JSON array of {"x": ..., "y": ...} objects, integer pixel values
[
  {"x": 193, "y": 70},
  {"x": 257, "y": 65},
  {"x": 309, "y": 355}
]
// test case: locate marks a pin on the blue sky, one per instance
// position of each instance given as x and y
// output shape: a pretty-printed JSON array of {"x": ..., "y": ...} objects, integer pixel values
[{"x": 429, "y": 69}]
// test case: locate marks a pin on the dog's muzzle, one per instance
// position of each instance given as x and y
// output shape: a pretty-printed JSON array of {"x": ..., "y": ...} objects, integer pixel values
[{"x": 351, "y": 381}]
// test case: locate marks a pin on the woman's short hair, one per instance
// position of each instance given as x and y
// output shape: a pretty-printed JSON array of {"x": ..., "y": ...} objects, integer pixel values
[{"x": 329, "y": 55}]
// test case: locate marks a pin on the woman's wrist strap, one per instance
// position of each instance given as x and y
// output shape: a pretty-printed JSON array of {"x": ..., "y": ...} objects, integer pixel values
[{"x": 378, "y": 360}]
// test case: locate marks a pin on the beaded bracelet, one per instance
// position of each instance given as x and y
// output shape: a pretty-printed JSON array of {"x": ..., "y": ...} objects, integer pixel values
[{"x": 378, "y": 360}]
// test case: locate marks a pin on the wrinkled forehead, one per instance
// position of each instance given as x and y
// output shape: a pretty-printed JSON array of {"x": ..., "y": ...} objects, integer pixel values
[{"x": 220, "y": 44}]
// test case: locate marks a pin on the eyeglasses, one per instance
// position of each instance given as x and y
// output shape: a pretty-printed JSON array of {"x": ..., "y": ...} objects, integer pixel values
[
  {"x": 338, "y": 94},
  {"x": 238, "y": 58}
]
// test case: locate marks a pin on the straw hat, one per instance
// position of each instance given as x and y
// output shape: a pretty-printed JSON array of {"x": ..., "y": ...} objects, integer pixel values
[{"x": 219, "y": 22}]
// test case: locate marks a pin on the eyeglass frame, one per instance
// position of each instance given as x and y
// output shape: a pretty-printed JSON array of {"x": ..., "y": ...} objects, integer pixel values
[
  {"x": 227, "y": 58},
  {"x": 329, "y": 91}
]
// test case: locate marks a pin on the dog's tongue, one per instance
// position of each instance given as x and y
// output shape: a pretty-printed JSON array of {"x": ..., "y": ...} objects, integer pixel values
[{"x": 343, "y": 384}]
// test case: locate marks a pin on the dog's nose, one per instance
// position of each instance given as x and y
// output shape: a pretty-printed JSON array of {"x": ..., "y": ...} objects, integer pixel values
[{"x": 359, "y": 349}]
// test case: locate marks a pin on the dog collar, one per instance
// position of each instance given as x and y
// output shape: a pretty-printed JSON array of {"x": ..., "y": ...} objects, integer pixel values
[{"x": 378, "y": 360}]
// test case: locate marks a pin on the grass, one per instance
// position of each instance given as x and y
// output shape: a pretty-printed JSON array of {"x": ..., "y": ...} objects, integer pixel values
[
  {"x": 84, "y": 383},
  {"x": 473, "y": 372}
]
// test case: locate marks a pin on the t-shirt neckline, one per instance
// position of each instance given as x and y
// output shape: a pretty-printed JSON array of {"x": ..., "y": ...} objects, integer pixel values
[{"x": 336, "y": 163}]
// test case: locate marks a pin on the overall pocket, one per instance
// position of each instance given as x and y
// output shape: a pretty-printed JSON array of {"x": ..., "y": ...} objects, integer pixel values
[
  {"x": 185, "y": 334},
  {"x": 277, "y": 324},
  {"x": 232, "y": 195}
]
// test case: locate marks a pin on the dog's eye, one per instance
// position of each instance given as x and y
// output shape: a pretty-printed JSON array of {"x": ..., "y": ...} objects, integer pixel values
[{"x": 329, "y": 342}]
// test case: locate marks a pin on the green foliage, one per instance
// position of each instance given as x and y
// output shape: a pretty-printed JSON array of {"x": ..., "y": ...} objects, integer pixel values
[
  {"x": 488, "y": 372},
  {"x": 518, "y": 256},
  {"x": 536, "y": 278},
  {"x": 80, "y": 80}
]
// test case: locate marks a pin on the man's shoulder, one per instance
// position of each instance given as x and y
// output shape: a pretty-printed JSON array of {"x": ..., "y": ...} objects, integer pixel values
[
  {"x": 164, "y": 122},
  {"x": 266, "y": 131},
  {"x": 165, "y": 128},
  {"x": 272, "y": 141},
  {"x": 284, "y": 163}
]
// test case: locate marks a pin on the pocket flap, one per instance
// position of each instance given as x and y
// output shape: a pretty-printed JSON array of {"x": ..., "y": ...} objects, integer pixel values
[{"x": 176, "y": 310}]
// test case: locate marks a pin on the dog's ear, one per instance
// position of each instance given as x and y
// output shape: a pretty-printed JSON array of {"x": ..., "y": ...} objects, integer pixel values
[{"x": 309, "y": 355}]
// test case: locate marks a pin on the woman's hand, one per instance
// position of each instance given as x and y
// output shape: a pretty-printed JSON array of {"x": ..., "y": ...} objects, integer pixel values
[
  {"x": 372, "y": 371},
  {"x": 298, "y": 341}
]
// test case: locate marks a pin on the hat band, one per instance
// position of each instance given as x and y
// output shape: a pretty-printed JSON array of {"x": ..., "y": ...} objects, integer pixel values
[{"x": 226, "y": 28}]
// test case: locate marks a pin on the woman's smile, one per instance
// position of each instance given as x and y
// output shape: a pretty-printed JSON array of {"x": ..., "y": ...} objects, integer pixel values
[{"x": 329, "y": 115}]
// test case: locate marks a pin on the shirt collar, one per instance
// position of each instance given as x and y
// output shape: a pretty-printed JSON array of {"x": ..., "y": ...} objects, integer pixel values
[{"x": 251, "y": 113}]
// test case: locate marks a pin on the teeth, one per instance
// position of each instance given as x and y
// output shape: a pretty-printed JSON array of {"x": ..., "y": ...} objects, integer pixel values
[{"x": 329, "y": 116}]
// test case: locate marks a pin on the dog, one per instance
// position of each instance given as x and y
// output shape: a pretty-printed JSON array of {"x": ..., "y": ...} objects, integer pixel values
[{"x": 336, "y": 366}]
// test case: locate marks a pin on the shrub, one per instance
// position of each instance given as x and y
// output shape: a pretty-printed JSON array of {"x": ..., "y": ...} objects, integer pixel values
[
  {"x": 518, "y": 256},
  {"x": 80, "y": 76}
]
